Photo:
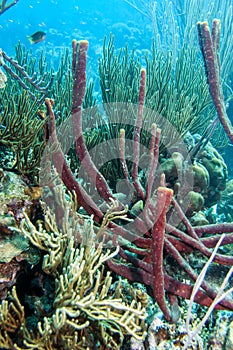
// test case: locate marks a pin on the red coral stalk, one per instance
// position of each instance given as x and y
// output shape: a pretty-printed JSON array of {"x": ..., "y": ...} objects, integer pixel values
[
  {"x": 164, "y": 197},
  {"x": 66, "y": 175},
  {"x": 209, "y": 45},
  {"x": 79, "y": 87}
]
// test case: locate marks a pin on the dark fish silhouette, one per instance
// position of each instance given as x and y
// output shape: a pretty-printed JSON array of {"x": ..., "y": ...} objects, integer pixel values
[{"x": 37, "y": 37}]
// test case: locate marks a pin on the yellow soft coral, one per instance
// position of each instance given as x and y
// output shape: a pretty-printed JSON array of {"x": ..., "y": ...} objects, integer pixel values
[{"x": 86, "y": 309}]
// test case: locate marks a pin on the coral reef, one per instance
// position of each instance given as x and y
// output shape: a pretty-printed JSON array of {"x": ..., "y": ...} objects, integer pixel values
[
  {"x": 154, "y": 234},
  {"x": 174, "y": 25},
  {"x": 84, "y": 311},
  {"x": 22, "y": 115},
  {"x": 14, "y": 248},
  {"x": 218, "y": 174},
  {"x": 21, "y": 122},
  {"x": 209, "y": 174},
  {"x": 141, "y": 232},
  {"x": 168, "y": 91}
]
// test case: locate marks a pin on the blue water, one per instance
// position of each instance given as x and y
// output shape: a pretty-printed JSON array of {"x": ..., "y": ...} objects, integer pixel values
[{"x": 72, "y": 19}]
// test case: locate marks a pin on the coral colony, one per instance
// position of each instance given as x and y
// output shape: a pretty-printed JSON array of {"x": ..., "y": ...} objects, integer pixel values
[
  {"x": 84, "y": 304},
  {"x": 146, "y": 265}
]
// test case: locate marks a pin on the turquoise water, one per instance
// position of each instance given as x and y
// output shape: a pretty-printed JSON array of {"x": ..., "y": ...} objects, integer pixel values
[{"x": 66, "y": 20}]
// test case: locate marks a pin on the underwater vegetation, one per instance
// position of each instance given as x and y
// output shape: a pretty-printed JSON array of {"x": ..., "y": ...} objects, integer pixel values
[
  {"x": 87, "y": 223},
  {"x": 79, "y": 308},
  {"x": 146, "y": 236},
  {"x": 21, "y": 121}
]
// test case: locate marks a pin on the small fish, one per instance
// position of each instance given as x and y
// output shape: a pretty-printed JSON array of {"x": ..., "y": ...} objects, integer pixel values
[{"x": 37, "y": 37}]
